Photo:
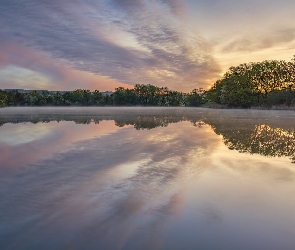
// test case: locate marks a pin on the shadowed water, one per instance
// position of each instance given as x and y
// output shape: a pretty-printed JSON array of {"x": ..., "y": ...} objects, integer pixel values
[{"x": 146, "y": 178}]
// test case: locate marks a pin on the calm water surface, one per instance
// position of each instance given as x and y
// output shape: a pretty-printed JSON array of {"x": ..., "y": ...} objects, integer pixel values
[{"x": 144, "y": 178}]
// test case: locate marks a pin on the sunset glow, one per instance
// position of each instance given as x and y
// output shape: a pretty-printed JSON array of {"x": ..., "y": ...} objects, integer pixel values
[{"x": 104, "y": 44}]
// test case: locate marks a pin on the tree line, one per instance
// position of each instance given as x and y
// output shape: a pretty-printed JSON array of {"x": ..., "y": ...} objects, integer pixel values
[
  {"x": 260, "y": 84},
  {"x": 141, "y": 95}
]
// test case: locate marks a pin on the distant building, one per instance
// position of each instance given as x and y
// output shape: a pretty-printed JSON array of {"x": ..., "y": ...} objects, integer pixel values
[
  {"x": 108, "y": 93},
  {"x": 18, "y": 90},
  {"x": 40, "y": 91},
  {"x": 61, "y": 92}
]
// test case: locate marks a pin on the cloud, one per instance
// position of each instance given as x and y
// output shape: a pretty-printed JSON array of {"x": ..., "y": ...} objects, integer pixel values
[
  {"x": 177, "y": 7},
  {"x": 130, "y": 41},
  {"x": 143, "y": 181},
  {"x": 265, "y": 40},
  {"x": 130, "y": 5},
  {"x": 18, "y": 64}
]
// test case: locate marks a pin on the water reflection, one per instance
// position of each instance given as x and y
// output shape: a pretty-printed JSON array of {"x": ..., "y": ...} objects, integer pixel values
[
  {"x": 170, "y": 183},
  {"x": 255, "y": 135},
  {"x": 263, "y": 140},
  {"x": 24, "y": 143}
]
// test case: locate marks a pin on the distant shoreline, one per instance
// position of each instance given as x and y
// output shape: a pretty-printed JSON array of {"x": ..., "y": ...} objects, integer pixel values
[{"x": 205, "y": 106}]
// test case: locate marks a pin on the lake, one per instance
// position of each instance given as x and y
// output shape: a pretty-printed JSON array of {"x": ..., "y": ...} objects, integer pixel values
[{"x": 146, "y": 178}]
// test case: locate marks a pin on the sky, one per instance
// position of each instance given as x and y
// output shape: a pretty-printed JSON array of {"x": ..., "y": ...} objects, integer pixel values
[{"x": 105, "y": 44}]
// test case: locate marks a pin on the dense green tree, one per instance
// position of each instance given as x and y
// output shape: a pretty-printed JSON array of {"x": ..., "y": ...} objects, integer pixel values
[
  {"x": 97, "y": 98},
  {"x": 35, "y": 98},
  {"x": 3, "y": 99},
  {"x": 58, "y": 99},
  {"x": 250, "y": 84},
  {"x": 195, "y": 97},
  {"x": 124, "y": 97}
]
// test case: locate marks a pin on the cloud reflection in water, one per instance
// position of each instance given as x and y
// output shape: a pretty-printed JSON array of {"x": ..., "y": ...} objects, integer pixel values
[
  {"x": 78, "y": 190},
  {"x": 154, "y": 185}
]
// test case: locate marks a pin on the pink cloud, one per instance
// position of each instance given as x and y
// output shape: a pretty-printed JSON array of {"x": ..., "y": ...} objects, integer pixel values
[{"x": 60, "y": 77}]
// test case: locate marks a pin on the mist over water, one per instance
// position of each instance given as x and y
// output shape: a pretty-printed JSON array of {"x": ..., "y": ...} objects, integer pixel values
[{"x": 146, "y": 178}]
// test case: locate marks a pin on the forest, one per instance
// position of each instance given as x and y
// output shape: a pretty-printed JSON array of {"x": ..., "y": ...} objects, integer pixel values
[
  {"x": 265, "y": 84},
  {"x": 140, "y": 95}
]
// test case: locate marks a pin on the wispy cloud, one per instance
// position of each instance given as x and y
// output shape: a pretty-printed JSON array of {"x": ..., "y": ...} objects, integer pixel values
[
  {"x": 131, "y": 41},
  {"x": 177, "y": 7},
  {"x": 173, "y": 43},
  {"x": 266, "y": 40},
  {"x": 23, "y": 67}
]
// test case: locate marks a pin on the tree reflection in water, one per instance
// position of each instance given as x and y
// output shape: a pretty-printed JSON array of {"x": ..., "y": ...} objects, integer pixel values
[
  {"x": 252, "y": 136},
  {"x": 264, "y": 140}
]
